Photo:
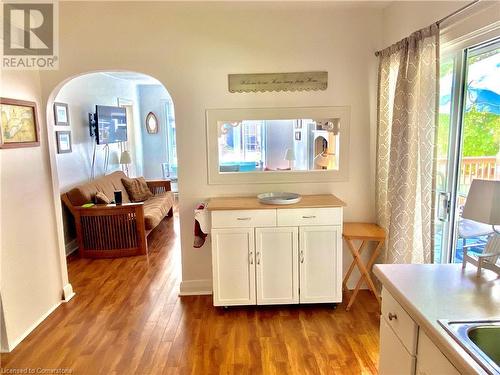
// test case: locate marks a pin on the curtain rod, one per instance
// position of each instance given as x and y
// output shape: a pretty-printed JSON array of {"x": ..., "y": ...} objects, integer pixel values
[
  {"x": 453, "y": 14},
  {"x": 458, "y": 11}
]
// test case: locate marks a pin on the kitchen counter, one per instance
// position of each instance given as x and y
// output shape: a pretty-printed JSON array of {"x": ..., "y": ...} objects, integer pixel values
[
  {"x": 429, "y": 292},
  {"x": 252, "y": 203}
]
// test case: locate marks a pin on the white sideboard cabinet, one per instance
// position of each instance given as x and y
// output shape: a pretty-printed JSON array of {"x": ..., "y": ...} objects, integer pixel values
[{"x": 268, "y": 255}]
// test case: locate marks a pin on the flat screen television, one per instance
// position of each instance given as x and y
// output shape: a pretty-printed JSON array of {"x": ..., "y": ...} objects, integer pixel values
[{"x": 111, "y": 124}]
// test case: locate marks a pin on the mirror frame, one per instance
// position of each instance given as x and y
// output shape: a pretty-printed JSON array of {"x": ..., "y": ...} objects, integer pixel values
[
  {"x": 148, "y": 128},
  {"x": 213, "y": 116}
]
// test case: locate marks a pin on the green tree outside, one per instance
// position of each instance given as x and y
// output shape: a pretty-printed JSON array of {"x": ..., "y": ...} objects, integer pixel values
[{"x": 481, "y": 134}]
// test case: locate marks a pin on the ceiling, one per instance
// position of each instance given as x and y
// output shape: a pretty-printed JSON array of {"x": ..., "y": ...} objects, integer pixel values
[{"x": 137, "y": 78}]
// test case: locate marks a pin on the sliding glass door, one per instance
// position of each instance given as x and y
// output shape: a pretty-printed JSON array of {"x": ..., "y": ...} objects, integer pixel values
[{"x": 468, "y": 144}]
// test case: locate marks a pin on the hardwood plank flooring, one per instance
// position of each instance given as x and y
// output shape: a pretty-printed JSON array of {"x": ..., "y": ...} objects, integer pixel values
[{"x": 127, "y": 318}]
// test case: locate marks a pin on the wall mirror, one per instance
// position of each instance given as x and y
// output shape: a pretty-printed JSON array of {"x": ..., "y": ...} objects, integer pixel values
[
  {"x": 266, "y": 145},
  {"x": 151, "y": 123}
]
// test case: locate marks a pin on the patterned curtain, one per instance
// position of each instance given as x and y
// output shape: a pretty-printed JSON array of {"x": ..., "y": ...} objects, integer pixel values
[{"x": 407, "y": 109}]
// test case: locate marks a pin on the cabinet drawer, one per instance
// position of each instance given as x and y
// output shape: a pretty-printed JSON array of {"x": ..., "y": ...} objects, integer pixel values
[
  {"x": 309, "y": 216},
  {"x": 243, "y": 218},
  {"x": 394, "y": 359},
  {"x": 399, "y": 320}
]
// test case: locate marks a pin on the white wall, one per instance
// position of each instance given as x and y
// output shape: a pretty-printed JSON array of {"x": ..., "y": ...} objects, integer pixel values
[
  {"x": 32, "y": 271},
  {"x": 401, "y": 18},
  {"x": 191, "y": 47},
  {"x": 82, "y": 94},
  {"x": 153, "y": 98}
]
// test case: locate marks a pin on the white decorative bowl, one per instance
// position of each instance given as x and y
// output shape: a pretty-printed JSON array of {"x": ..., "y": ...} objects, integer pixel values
[{"x": 279, "y": 198}]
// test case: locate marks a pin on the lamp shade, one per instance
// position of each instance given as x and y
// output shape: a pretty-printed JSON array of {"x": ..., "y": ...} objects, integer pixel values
[
  {"x": 483, "y": 202},
  {"x": 289, "y": 154},
  {"x": 125, "y": 158},
  {"x": 322, "y": 160}
]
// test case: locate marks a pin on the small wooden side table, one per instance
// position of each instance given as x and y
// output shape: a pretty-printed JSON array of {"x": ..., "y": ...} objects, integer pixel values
[{"x": 365, "y": 232}]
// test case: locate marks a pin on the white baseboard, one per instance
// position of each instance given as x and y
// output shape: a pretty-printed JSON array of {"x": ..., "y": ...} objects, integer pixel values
[
  {"x": 71, "y": 247},
  {"x": 195, "y": 287},
  {"x": 17, "y": 341},
  {"x": 68, "y": 292}
]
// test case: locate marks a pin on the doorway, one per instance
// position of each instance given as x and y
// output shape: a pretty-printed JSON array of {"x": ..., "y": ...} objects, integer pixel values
[
  {"x": 138, "y": 154},
  {"x": 468, "y": 145}
]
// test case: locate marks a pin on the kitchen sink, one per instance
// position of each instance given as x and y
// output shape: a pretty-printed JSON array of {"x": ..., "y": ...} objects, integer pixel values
[{"x": 480, "y": 338}]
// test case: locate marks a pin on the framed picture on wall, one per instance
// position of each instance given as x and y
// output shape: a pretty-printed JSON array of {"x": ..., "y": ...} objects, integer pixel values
[
  {"x": 298, "y": 136},
  {"x": 63, "y": 139},
  {"x": 19, "y": 124},
  {"x": 61, "y": 114}
]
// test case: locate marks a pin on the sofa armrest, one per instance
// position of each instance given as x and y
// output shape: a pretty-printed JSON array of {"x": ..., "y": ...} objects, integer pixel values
[
  {"x": 109, "y": 209},
  {"x": 159, "y": 186},
  {"x": 111, "y": 230}
]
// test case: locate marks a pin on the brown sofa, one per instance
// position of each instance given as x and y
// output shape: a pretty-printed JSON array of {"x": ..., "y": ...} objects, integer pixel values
[{"x": 107, "y": 231}]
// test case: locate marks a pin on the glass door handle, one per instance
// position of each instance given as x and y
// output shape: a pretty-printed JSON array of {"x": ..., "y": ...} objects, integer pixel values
[{"x": 443, "y": 206}]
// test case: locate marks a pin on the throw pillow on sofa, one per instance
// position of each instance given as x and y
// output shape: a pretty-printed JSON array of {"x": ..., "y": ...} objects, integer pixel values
[
  {"x": 137, "y": 189},
  {"x": 101, "y": 198}
]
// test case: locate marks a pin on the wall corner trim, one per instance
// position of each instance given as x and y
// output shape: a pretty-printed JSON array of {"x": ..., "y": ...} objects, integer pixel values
[
  {"x": 68, "y": 292},
  {"x": 195, "y": 287}
]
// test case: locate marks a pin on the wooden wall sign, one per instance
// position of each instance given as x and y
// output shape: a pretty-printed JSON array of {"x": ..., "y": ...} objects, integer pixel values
[{"x": 298, "y": 81}]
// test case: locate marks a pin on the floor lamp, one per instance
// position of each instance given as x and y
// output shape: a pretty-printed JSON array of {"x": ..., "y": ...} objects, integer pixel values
[{"x": 125, "y": 160}]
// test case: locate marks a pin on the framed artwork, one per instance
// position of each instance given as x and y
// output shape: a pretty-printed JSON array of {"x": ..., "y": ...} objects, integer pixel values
[
  {"x": 63, "y": 139},
  {"x": 19, "y": 124},
  {"x": 298, "y": 136},
  {"x": 151, "y": 123},
  {"x": 61, "y": 114}
]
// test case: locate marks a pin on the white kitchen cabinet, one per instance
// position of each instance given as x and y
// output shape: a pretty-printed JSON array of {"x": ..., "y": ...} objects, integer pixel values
[
  {"x": 276, "y": 259},
  {"x": 320, "y": 269},
  {"x": 430, "y": 360},
  {"x": 394, "y": 358},
  {"x": 233, "y": 266},
  {"x": 277, "y": 256},
  {"x": 404, "y": 347},
  {"x": 400, "y": 322}
]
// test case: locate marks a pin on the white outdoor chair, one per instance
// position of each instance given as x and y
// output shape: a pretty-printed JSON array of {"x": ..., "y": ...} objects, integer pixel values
[{"x": 489, "y": 259}]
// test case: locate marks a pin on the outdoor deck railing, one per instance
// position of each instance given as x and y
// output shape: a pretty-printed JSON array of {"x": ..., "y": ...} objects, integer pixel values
[{"x": 483, "y": 167}]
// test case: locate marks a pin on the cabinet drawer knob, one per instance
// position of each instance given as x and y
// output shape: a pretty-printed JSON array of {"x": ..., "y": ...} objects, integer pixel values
[
  {"x": 309, "y": 217},
  {"x": 301, "y": 256},
  {"x": 250, "y": 257},
  {"x": 243, "y": 218},
  {"x": 258, "y": 257},
  {"x": 392, "y": 316}
]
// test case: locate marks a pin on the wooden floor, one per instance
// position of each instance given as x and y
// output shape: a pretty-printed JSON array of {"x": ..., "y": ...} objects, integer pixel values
[{"x": 127, "y": 319}]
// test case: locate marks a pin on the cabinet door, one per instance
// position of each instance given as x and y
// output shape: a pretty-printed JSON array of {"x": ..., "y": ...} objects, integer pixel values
[
  {"x": 430, "y": 360},
  {"x": 394, "y": 358},
  {"x": 277, "y": 265},
  {"x": 320, "y": 264},
  {"x": 233, "y": 266}
]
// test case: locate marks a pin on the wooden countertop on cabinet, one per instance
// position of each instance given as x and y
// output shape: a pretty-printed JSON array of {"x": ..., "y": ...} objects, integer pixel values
[{"x": 252, "y": 203}]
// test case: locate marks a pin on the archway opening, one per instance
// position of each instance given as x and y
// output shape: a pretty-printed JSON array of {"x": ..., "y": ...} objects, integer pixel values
[{"x": 109, "y": 126}]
